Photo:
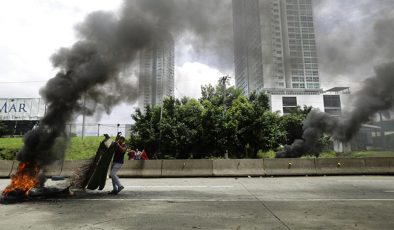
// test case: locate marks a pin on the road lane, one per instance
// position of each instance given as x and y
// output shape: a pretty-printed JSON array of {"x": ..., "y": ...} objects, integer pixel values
[{"x": 348, "y": 202}]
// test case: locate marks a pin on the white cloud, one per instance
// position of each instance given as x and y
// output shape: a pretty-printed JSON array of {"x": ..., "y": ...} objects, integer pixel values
[
  {"x": 191, "y": 76},
  {"x": 31, "y": 32}
]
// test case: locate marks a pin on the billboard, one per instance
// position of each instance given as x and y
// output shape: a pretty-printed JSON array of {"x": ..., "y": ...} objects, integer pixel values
[{"x": 22, "y": 109}]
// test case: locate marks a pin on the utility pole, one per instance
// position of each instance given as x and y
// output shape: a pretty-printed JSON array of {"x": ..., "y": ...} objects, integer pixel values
[
  {"x": 382, "y": 133},
  {"x": 83, "y": 116},
  {"x": 224, "y": 80},
  {"x": 161, "y": 117}
]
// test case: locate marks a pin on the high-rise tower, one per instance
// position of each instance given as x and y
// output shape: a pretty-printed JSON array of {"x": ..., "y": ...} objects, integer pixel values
[
  {"x": 247, "y": 46},
  {"x": 274, "y": 45},
  {"x": 156, "y": 76}
]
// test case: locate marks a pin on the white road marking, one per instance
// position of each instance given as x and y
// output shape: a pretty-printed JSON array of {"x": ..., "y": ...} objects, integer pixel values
[
  {"x": 346, "y": 199},
  {"x": 157, "y": 199},
  {"x": 389, "y": 191},
  {"x": 216, "y": 200},
  {"x": 176, "y": 186}
]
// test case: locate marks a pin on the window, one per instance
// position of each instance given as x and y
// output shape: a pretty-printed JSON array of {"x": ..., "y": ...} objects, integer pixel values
[
  {"x": 289, "y": 101},
  {"x": 298, "y": 85},
  {"x": 332, "y": 101}
]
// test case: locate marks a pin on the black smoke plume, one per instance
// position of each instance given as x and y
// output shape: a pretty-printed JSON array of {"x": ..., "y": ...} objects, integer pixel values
[
  {"x": 352, "y": 38},
  {"x": 376, "y": 95},
  {"x": 107, "y": 43}
]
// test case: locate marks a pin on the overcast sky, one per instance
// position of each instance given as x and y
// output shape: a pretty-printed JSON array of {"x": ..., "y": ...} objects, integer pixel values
[{"x": 352, "y": 37}]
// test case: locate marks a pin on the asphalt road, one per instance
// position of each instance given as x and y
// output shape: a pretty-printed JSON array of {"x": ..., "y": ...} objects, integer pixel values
[{"x": 359, "y": 202}]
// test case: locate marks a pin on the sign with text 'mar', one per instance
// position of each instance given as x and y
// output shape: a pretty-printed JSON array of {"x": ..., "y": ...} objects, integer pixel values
[{"x": 22, "y": 108}]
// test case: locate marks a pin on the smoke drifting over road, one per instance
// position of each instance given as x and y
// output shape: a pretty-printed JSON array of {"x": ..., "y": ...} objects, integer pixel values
[
  {"x": 376, "y": 95},
  {"x": 92, "y": 67}
]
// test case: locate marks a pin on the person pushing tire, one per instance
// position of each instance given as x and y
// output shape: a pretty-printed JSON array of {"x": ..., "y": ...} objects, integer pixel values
[{"x": 117, "y": 164}]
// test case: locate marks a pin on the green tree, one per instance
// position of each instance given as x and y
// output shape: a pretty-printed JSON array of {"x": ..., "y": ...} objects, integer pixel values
[
  {"x": 271, "y": 133},
  {"x": 213, "y": 136},
  {"x": 223, "y": 119},
  {"x": 266, "y": 128},
  {"x": 241, "y": 117},
  {"x": 260, "y": 102},
  {"x": 254, "y": 126},
  {"x": 292, "y": 123},
  {"x": 217, "y": 96},
  {"x": 181, "y": 127},
  {"x": 145, "y": 131},
  {"x": 218, "y": 135},
  {"x": 190, "y": 116}
]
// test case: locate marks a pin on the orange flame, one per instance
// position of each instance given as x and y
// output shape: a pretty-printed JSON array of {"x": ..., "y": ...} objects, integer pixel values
[{"x": 24, "y": 179}]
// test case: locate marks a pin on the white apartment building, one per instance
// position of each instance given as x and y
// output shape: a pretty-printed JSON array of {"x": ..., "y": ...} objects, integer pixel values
[
  {"x": 331, "y": 101},
  {"x": 274, "y": 45}
]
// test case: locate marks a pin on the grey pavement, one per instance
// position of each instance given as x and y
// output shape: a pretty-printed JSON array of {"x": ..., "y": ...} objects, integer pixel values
[{"x": 345, "y": 202}]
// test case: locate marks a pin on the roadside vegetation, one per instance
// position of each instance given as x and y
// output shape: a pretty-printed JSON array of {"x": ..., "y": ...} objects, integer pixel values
[
  {"x": 79, "y": 149},
  {"x": 9, "y": 147},
  {"x": 222, "y": 121},
  {"x": 82, "y": 149}
]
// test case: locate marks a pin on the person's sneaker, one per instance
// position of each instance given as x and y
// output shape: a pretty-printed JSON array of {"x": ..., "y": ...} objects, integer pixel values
[
  {"x": 113, "y": 192},
  {"x": 119, "y": 189}
]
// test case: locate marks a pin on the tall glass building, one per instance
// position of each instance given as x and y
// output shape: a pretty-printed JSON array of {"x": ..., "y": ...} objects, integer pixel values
[
  {"x": 274, "y": 45},
  {"x": 156, "y": 75}
]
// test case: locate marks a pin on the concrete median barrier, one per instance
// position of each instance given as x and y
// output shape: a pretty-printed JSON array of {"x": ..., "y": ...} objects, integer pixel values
[
  {"x": 391, "y": 171},
  {"x": 53, "y": 169},
  {"x": 70, "y": 167},
  {"x": 141, "y": 168},
  {"x": 14, "y": 168},
  {"x": 5, "y": 168},
  {"x": 238, "y": 167},
  {"x": 289, "y": 167},
  {"x": 338, "y": 166},
  {"x": 377, "y": 165},
  {"x": 187, "y": 168},
  {"x": 231, "y": 167}
]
